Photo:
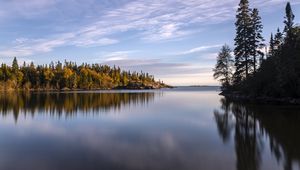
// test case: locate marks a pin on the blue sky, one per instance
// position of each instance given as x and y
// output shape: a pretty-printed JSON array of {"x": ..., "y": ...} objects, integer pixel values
[{"x": 175, "y": 40}]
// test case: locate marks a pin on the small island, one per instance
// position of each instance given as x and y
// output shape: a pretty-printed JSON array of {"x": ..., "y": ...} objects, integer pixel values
[
  {"x": 70, "y": 76},
  {"x": 261, "y": 72}
]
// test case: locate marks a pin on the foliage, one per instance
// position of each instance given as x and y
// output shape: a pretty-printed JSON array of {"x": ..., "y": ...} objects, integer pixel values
[
  {"x": 279, "y": 74},
  {"x": 248, "y": 42},
  {"x": 71, "y": 76},
  {"x": 242, "y": 40},
  {"x": 223, "y": 68}
]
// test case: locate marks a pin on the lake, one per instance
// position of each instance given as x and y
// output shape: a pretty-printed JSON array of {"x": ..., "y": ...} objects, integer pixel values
[{"x": 175, "y": 129}]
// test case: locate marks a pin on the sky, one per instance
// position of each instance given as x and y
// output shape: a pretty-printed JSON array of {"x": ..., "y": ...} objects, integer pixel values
[{"x": 177, "y": 41}]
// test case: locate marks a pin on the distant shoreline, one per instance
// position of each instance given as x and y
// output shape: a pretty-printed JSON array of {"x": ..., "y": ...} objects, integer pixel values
[
  {"x": 200, "y": 86},
  {"x": 92, "y": 89}
]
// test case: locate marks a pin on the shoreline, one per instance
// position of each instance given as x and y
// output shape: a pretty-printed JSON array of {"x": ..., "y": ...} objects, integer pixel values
[
  {"x": 261, "y": 99},
  {"x": 79, "y": 90}
]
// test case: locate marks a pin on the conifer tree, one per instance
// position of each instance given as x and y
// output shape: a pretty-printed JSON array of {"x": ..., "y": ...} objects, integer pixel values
[
  {"x": 289, "y": 19},
  {"x": 15, "y": 65},
  {"x": 242, "y": 49},
  {"x": 257, "y": 40},
  {"x": 68, "y": 75},
  {"x": 278, "y": 40},
  {"x": 271, "y": 49}
]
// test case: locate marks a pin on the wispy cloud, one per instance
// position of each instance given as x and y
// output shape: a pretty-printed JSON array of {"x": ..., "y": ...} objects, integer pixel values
[
  {"x": 199, "y": 49},
  {"x": 117, "y": 55},
  {"x": 89, "y": 42},
  {"x": 171, "y": 72},
  {"x": 30, "y": 8},
  {"x": 152, "y": 21},
  {"x": 27, "y": 47},
  {"x": 157, "y": 66}
]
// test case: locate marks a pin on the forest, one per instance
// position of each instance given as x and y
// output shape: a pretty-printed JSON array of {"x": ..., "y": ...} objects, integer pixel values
[
  {"x": 256, "y": 68},
  {"x": 70, "y": 76}
]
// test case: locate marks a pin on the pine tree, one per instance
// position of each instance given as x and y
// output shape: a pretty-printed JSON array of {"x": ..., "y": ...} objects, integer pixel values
[
  {"x": 289, "y": 19},
  {"x": 15, "y": 65},
  {"x": 278, "y": 40},
  {"x": 272, "y": 45},
  {"x": 223, "y": 68},
  {"x": 257, "y": 40},
  {"x": 242, "y": 49}
]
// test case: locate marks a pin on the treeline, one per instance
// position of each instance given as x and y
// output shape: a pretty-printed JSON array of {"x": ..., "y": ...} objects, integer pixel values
[
  {"x": 69, "y": 75},
  {"x": 258, "y": 68}
]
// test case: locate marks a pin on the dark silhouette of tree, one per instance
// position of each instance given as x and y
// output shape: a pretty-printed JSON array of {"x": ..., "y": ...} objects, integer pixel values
[
  {"x": 224, "y": 121},
  {"x": 277, "y": 76},
  {"x": 272, "y": 46},
  {"x": 223, "y": 68},
  {"x": 247, "y": 139},
  {"x": 257, "y": 40},
  {"x": 253, "y": 124},
  {"x": 242, "y": 40},
  {"x": 289, "y": 19},
  {"x": 278, "y": 40}
]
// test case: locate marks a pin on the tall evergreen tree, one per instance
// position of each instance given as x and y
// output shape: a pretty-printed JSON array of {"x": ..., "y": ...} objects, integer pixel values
[
  {"x": 223, "y": 68},
  {"x": 15, "y": 65},
  {"x": 289, "y": 19},
  {"x": 257, "y": 40},
  {"x": 278, "y": 40},
  {"x": 242, "y": 49},
  {"x": 272, "y": 45},
  {"x": 278, "y": 76}
]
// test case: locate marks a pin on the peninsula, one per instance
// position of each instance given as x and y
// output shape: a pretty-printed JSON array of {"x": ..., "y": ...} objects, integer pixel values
[{"x": 70, "y": 76}]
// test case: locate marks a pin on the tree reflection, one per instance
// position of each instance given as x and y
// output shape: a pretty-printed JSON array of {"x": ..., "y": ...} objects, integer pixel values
[
  {"x": 279, "y": 124},
  {"x": 224, "y": 120},
  {"x": 69, "y": 104}
]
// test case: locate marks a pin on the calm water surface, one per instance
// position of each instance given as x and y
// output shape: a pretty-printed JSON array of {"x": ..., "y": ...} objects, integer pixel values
[{"x": 180, "y": 129}]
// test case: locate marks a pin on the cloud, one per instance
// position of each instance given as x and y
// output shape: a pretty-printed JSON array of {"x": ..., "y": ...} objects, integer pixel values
[
  {"x": 129, "y": 64},
  {"x": 28, "y": 9},
  {"x": 161, "y": 20},
  {"x": 158, "y": 67},
  {"x": 199, "y": 49},
  {"x": 170, "y": 72},
  {"x": 150, "y": 21},
  {"x": 117, "y": 55},
  {"x": 88, "y": 42},
  {"x": 27, "y": 47}
]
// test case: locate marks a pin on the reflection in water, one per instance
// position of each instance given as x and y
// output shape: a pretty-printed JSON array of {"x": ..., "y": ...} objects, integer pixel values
[
  {"x": 255, "y": 122},
  {"x": 69, "y": 104},
  {"x": 143, "y": 131}
]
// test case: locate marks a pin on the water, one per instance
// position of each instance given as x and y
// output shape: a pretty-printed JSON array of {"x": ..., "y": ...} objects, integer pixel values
[{"x": 179, "y": 129}]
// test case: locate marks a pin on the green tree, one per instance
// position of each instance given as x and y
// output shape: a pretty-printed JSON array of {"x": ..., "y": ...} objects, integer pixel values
[
  {"x": 68, "y": 75},
  {"x": 223, "y": 68},
  {"x": 15, "y": 65}
]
